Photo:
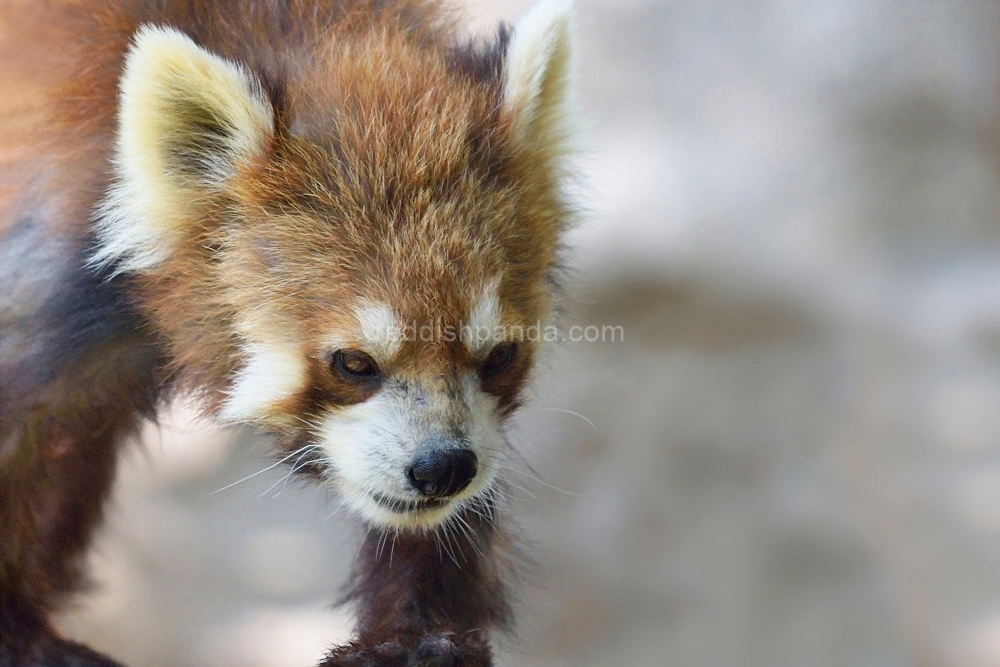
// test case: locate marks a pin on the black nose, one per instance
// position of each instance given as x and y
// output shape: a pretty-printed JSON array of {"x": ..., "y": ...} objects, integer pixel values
[{"x": 440, "y": 473}]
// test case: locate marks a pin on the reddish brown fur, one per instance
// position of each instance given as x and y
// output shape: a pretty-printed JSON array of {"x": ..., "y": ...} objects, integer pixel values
[{"x": 406, "y": 188}]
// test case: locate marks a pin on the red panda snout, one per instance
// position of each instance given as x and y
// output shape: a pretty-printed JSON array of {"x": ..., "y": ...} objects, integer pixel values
[{"x": 414, "y": 453}]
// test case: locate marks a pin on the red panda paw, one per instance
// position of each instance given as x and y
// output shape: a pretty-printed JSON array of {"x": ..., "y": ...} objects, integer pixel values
[
  {"x": 433, "y": 650},
  {"x": 442, "y": 651}
]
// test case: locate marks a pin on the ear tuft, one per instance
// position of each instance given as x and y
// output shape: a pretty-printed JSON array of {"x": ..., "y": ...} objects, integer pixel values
[
  {"x": 188, "y": 120},
  {"x": 538, "y": 89}
]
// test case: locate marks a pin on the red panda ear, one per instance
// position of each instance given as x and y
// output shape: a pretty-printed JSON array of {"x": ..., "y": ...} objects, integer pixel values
[
  {"x": 187, "y": 120},
  {"x": 538, "y": 88}
]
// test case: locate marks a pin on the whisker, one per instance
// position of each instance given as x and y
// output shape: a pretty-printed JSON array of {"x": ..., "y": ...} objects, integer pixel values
[
  {"x": 437, "y": 541},
  {"x": 447, "y": 545},
  {"x": 469, "y": 533},
  {"x": 500, "y": 498},
  {"x": 475, "y": 509},
  {"x": 458, "y": 544},
  {"x": 339, "y": 507},
  {"x": 544, "y": 483},
  {"x": 259, "y": 472},
  {"x": 381, "y": 545},
  {"x": 527, "y": 464},
  {"x": 295, "y": 466},
  {"x": 575, "y": 414},
  {"x": 520, "y": 488},
  {"x": 392, "y": 547}
]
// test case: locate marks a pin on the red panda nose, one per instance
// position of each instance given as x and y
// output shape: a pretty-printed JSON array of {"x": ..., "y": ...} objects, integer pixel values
[{"x": 441, "y": 473}]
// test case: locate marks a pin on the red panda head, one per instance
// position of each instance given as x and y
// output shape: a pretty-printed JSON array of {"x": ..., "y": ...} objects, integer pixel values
[{"x": 347, "y": 253}]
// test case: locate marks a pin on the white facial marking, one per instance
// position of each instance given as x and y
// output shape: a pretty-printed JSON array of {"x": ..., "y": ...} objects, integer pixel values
[
  {"x": 485, "y": 323},
  {"x": 381, "y": 330},
  {"x": 272, "y": 374}
]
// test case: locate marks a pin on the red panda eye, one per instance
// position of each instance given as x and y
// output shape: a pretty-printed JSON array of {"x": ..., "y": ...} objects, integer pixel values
[
  {"x": 500, "y": 359},
  {"x": 355, "y": 365}
]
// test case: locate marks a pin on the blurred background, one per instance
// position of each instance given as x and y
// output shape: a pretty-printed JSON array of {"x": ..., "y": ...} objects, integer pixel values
[{"x": 793, "y": 459}]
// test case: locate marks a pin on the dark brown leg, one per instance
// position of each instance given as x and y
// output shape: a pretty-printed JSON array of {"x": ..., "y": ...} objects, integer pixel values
[
  {"x": 60, "y": 433},
  {"x": 424, "y": 601},
  {"x": 54, "y": 478}
]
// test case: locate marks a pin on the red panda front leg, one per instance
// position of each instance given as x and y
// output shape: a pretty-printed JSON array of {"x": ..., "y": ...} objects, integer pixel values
[
  {"x": 427, "y": 599},
  {"x": 54, "y": 480},
  {"x": 64, "y": 414}
]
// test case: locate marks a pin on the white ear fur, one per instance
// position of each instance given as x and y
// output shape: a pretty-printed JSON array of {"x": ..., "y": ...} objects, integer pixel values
[
  {"x": 187, "y": 119},
  {"x": 538, "y": 89}
]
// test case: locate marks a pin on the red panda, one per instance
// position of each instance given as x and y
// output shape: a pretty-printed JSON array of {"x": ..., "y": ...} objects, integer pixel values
[{"x": 250, "y": 203}]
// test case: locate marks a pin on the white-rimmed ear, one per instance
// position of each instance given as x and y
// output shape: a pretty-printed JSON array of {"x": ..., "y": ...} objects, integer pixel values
[
  {"x": 538, "y": 86},
  {"x": 187, "y": 120}
]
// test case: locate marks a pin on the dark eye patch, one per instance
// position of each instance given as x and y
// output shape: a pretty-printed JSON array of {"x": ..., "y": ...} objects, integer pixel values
[{"x": 499, "y": 361}]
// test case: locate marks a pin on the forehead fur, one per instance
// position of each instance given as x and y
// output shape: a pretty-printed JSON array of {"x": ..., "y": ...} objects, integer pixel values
[{"x": 404, "y": 188}]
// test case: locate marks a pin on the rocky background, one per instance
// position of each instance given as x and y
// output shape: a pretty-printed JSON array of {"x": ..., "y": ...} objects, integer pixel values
[{"x": 793, "y": 459}]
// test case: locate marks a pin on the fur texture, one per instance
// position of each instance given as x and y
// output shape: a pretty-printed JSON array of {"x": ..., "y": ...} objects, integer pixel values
[{"x": 221, "y": 198}]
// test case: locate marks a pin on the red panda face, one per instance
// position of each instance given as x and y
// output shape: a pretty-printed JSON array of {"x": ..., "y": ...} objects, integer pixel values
[
  {"x": 393, "y": 384},
  {"x": 350, "y": 258}
]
